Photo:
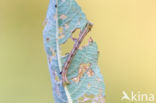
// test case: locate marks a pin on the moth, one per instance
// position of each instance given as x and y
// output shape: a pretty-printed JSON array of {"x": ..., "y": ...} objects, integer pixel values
[{"x": 82, "y": 35}]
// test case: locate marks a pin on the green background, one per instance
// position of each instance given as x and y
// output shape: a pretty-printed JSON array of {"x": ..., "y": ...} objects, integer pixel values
[{"x": 125, "y": 31}]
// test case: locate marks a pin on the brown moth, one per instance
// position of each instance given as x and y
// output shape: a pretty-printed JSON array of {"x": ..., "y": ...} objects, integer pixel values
[{"x": 82, "y": 34}]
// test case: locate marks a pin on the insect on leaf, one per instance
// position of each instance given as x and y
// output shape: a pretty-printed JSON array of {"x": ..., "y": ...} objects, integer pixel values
[{"x": 79, "y": 67}]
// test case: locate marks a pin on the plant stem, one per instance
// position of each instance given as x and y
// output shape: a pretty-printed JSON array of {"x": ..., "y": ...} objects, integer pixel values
[{"x": 58, "y": 52}]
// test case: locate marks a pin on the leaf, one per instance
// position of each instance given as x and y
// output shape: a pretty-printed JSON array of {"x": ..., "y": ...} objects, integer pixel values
[
  {"x": 86, "y": 82},
  {"x": 75, "y": 18}
]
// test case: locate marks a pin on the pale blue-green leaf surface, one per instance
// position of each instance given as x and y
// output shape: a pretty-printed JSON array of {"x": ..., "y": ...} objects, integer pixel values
[
  {"x": 86, "y": 82},
  {"x": 70, "y": 17}
]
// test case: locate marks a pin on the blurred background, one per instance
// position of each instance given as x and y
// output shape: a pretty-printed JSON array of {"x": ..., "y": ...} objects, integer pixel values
[{"x": 125, "y": 31}]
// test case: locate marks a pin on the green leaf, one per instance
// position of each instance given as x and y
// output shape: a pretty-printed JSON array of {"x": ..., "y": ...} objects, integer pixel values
[{"x": 86, "y": 82}]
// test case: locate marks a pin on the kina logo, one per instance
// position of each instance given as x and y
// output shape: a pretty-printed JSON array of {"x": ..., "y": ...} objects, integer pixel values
[{"x": 137, "y": 97}]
